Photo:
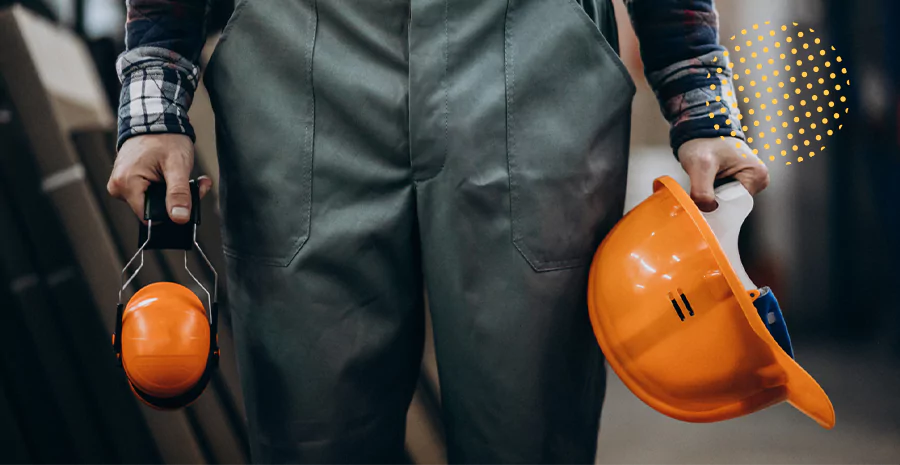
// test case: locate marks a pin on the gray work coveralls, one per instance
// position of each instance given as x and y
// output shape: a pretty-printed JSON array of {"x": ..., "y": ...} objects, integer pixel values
[{"x": 368, "y": 149}]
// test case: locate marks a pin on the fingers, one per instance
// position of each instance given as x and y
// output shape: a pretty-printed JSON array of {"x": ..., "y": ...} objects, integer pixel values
[
  {"x": 205, "y": 185},
  {"x": 177, "y": 171},
  {"x": 135, "y": 197},
  {"x": 706, "y": 160},
  {"x": 748, "y": 170},
  {"x": 754, "y": 178},
  {"x": 131, "y": 189},
  {"x": 152, "y": 158},
  {"x": 702, "y": 170}
]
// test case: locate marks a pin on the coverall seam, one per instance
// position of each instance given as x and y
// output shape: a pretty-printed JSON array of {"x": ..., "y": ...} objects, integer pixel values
[
  {"x": 409, "y": 129},
  {"x": 312, "y": 122},
  {"x": 445, "y": 85},
  {"x": 510, "y": 143}
]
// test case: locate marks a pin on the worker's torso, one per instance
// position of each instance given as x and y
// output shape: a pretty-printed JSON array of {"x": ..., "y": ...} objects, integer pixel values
[{"x": 524, "y": 95}]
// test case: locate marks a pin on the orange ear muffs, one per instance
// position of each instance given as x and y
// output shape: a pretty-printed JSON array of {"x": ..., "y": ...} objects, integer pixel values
[
  {"x": 164, "y": 338},
  {"x": 167, "y": 349},
  {"x": 673, "y": 311}
]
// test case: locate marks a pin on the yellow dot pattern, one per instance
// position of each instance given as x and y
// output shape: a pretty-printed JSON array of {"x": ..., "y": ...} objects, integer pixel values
[{"x": 809, "y": 74}]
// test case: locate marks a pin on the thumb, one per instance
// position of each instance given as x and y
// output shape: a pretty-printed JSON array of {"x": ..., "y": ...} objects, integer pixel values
[
  {"x": 176, "y": 172},
  {"x": 703, "y": 174}
]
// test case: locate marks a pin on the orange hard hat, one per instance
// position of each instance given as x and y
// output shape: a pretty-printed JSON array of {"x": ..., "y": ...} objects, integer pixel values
[
  {"x": 166, "y": 345},
  {"x": 681, "y": 323}
]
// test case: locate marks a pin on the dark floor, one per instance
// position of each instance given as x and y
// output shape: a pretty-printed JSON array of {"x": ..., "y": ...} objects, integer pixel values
[{"x": 864, "y": 388}]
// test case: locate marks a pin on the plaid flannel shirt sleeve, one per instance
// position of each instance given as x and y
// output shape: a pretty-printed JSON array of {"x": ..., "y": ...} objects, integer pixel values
[
  {"x": 159, "y": 69},
  {"x": 687, "y": 67}
]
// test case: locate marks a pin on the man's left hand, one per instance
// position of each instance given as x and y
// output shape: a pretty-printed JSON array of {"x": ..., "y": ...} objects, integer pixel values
[{"x": 706, "y": 160}]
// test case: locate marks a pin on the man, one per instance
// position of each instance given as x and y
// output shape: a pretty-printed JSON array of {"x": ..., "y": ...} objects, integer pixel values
[{"x": 368, "y": 148}]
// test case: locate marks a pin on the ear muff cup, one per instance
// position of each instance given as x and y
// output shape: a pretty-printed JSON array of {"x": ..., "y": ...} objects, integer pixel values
[
  {"x": 168, "y": 349},
  {"x": 183, "y": 400}
]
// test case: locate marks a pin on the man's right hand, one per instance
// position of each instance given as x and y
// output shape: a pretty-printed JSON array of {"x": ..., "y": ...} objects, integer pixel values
[{"x": 152, "y": 158}]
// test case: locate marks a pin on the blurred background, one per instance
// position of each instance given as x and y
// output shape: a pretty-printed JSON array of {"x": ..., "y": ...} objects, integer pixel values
[{"x": 824, "y": 236}]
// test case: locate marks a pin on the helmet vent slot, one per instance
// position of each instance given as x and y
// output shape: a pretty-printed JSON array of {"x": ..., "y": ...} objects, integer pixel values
[
  {"x": 687, "y": 304},
  {"x": 684, "y": 300},
  {"x": 677, "y": 308}
]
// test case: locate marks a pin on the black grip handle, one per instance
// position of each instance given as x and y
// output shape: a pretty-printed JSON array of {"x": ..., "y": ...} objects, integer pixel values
[
  {"x": 155, "y": 202},
  {"x": 165, "y": 233}
]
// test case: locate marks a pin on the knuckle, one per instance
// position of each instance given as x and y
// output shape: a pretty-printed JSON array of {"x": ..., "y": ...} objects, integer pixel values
[
  {"x": 179, "y": 189},
  {"x": 115, "y": 186},
  {"x": 702, "y": 195},
  {"x": 698, "y": 165},
  {"x": 703, "y": 158},
  {"x": 176, "y": 155},
  {"x": 179, "y": 193}
]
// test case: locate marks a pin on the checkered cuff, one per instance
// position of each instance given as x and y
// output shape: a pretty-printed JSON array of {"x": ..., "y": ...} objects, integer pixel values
[
  {"x": 698, "y": 99},
  {"x": 157, "y": 89}
]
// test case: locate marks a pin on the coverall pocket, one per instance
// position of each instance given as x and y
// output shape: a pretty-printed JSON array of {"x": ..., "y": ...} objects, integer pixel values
[
  {"x": 568, "y": 99},
  {"x": 260, "y": 85}
]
